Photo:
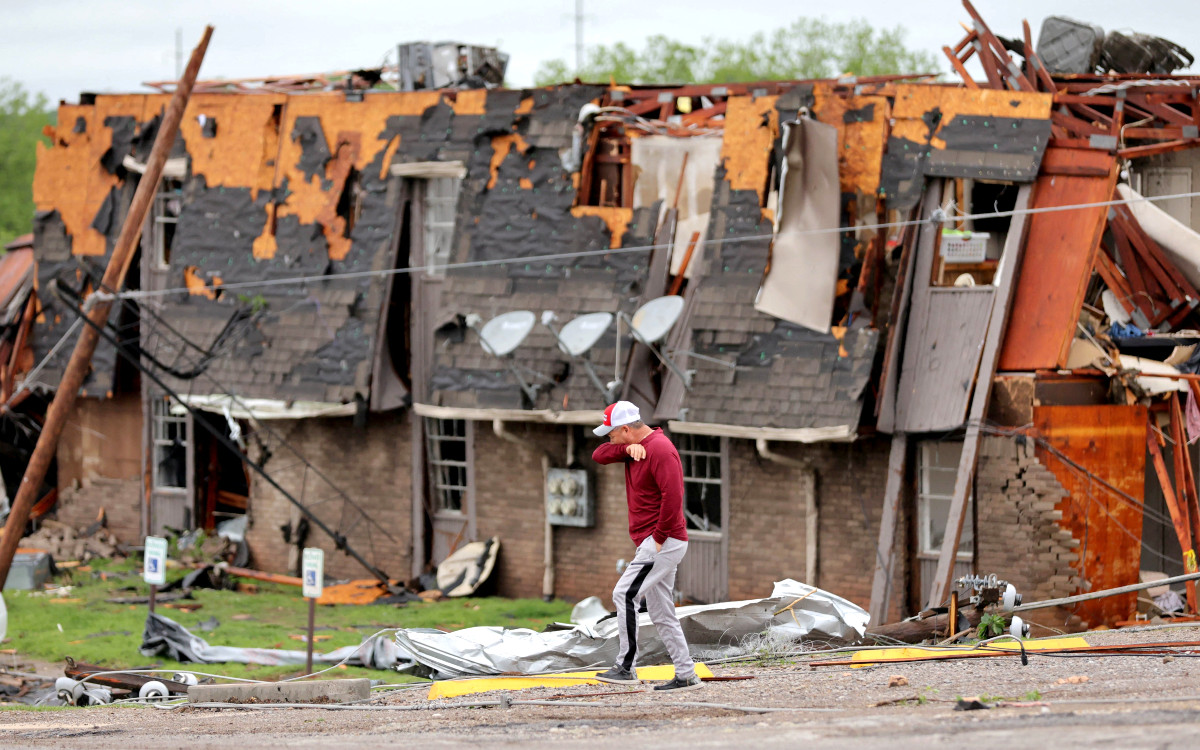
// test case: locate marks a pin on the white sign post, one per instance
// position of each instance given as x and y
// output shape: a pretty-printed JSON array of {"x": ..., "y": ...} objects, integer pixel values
[
  {"x": 312, "y": 566},
  {"x": 154, "y": 565}
]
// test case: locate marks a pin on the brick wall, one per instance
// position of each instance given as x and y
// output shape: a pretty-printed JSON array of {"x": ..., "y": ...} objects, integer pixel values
[
  {"x": 509, "y": 503},
  {"x": 100, "y": 465},
  {"x": 371, "y": 465},
  {"x": 1017, "y": 535},
  {"x": 767, "y": 520}
]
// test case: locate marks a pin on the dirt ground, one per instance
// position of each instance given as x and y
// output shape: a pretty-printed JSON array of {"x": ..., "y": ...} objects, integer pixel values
[{"x": 1074, "y": 701}]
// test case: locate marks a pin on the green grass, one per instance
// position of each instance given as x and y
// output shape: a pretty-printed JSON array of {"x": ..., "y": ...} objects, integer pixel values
[{"x": 96, "y": 632}]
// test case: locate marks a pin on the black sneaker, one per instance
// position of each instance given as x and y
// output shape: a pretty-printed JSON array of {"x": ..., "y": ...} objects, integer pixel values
[
  {"x": 618, "y": 676},
  {"x": 679, "y": 685}
]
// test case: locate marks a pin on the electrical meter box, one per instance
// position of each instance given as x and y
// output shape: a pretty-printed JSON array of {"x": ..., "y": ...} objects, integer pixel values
[{"x": 569, "y": 498}]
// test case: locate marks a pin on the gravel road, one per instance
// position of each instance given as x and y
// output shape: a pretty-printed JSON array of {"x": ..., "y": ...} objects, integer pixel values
[{"x": 1077, "y": 701}]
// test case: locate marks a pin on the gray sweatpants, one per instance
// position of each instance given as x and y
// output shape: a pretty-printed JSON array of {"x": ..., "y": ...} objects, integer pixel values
[{"x": 651, "y": 576}]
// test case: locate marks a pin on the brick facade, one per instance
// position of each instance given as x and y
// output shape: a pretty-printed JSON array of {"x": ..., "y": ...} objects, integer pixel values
[
  {"x": 1018, "y": 536},
  {"x": 767, "y": 523},
  {"x": 100, "y": 465},
  {"x": 372, "y": 465}
]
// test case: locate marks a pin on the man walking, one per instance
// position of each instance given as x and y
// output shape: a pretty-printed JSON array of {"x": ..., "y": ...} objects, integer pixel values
[{"x": 654, "y": 491}]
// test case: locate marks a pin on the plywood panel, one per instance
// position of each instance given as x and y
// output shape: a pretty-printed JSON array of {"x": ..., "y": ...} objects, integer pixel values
[
  {"x": 1057, "y": 267},
  {"x": 1109, "y": 442},
  {"x": 941, "y": 354}
]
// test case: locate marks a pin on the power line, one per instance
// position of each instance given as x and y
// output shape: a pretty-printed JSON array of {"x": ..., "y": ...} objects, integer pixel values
[{"x": 938, "y": 217}]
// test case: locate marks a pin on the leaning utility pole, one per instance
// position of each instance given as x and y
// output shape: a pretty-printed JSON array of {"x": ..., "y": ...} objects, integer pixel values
[{"x": 114, "y": 277}]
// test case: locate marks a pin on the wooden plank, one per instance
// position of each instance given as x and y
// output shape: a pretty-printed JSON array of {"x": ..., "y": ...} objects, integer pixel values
[
  {"x": 1014, "y": 245},
  {"x": 885, "y": 550},
  {"x": 1056, "y": 270},
  {"x": 1109, "y": 442},
  {"x": 940, "y": 357},
  {"x": 898, "y": 322}
]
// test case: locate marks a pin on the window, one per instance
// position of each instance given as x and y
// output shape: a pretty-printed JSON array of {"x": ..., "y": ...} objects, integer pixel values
[
  {"x": 446, "y": 453},
  {"x": 441, "y": 204},
  {"x": 938, "y": 469},
  {"x": 701, "y": 457},
  {"x": 606, "y": 176},
  {"x": 168, "y": 204},
  {"x": 171, "y": 445}
]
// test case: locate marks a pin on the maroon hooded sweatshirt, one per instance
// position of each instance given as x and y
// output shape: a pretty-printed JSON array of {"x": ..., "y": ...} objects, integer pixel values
[{"x": 653, "y": 488}]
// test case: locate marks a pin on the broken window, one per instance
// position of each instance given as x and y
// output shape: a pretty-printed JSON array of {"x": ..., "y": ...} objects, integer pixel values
[
  {"x": 168, "y": 204},
  {"x": 171, "y": 445},
  {"x": 446, "y": 454},
  {"x": 969, "y": 250},
  {"x": 701, "y": 457},
  {"x": 440, "y": 207},
  {"x": 606, "y": 177},
  {"x": 938, "y": 470}
]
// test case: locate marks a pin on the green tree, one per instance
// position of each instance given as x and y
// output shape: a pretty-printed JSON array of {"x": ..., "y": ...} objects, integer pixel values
[
  {"x": 22, "y": 117},
  {"x": 808, "y": 48}
]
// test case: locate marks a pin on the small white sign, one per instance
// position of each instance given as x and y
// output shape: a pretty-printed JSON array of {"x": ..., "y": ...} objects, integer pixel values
[
  {"x": 154, "y": 568},
  {"x": 313, "y": 567}
]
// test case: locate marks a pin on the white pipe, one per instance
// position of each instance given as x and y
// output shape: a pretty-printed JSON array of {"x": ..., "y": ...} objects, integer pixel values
[
  {"x": 812, "y": 525},
  {"x": 548, "y": 532}
]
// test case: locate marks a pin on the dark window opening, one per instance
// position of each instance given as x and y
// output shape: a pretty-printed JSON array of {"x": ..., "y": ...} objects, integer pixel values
[
  {"x": 222, "y": 481},
  {"x": 606, "y": 177},
  {"x": 349, "y": 206},
  {"x": 969, "y": 250},
  {"x": 171, "y": 444},
  {"x": 399, "y": 310}
]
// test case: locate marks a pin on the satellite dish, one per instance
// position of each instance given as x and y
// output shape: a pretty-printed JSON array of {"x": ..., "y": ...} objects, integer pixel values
[
  {"x": 504, "y": 333},
  {"x": 654, "y": 319},
  {"x": 583, "y": 332},
  {"x": 651, "y": 323},
  {"x": 577, "y": 337}
]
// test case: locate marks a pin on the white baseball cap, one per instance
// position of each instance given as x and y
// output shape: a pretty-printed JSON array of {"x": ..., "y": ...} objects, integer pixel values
[{"x": 616, "y": 415}]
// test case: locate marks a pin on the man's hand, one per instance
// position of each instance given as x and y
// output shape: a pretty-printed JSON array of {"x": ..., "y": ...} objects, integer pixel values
[
  {"x": 657, "y": 547},
  {"x": 636, "y": 451}
]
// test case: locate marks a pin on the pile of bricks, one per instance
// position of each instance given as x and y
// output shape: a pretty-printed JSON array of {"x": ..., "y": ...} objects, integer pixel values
[
  {"x": 1018, "y": 536},
  {"x": 66, "y": 543}
]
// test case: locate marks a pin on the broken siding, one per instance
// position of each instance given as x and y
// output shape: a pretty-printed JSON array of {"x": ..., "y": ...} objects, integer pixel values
[
  {"x": 955, "y": 132},
  {"x": 777, "y": 374}
]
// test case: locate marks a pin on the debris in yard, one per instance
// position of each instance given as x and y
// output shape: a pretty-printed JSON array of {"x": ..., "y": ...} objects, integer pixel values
[
  {"x": 30, "y": 570},
  {"x": 897, "y": 680},
  {"x": 970, "y": 704},
  {"x": 463, "y": 572},
  {"x": 165, "y": 637},
  {"x": 794, "y": 611},
  {"x": 315, "y": 691},
  {"x": 1077, "y": 679},
  {"x": 62, "y": 542}
]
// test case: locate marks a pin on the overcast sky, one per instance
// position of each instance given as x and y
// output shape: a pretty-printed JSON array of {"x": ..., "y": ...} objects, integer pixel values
[{"x": 63, "y": 47}]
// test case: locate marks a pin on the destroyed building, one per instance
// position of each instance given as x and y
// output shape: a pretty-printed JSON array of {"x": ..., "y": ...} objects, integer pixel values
[{"x": 372, "y": 296}]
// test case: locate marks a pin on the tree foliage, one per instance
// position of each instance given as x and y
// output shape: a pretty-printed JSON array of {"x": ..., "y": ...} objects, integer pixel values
[
  {"x": 22, "y": 117},
  {"x": 808, "y": 48}
]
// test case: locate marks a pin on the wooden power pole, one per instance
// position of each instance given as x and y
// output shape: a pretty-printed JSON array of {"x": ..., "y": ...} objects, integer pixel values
[{"x": 114, "y": 277}]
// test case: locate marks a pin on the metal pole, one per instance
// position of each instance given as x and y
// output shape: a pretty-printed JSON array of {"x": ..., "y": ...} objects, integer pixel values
[
  {"x": 114, "y": 276},
  {"x": 1107, "y": 592},
  {"x": 578, "y": 37},
  {"x": 312, "y": 614},
  {"x": 153, "y": 596}
]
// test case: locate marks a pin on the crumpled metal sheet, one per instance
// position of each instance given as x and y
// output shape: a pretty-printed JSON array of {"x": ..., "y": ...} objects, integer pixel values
[
  {"x": 712, "y": 630},
  {"x": 163, "y": 636}
]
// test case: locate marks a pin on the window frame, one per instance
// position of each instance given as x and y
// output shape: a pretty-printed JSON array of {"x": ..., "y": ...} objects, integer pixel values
[
  {"x": 442, "y": 472},
  {"x": 161, "y": 418},
  {"x": 966, "y": 546},
  {"x": 169, "y": 188},
  {"x": 706, "y": 451}
]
